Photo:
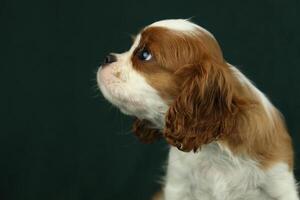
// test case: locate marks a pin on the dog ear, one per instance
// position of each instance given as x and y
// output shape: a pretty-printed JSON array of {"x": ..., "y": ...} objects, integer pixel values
[
  {"x": 145, "y": 131},
  {"x": 206, "y": 108}
]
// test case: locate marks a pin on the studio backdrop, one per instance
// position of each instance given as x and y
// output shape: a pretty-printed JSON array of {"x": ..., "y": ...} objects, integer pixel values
[{"x": 59, "y": 138}]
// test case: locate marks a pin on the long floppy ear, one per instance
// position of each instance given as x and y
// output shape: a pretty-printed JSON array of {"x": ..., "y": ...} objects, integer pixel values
[
  {"x": 145, "y": 131},
  {"x": 206, "y": 108}
]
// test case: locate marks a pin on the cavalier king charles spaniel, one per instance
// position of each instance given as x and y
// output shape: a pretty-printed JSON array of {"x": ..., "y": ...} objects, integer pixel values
[{"x": 227, "y": 140}]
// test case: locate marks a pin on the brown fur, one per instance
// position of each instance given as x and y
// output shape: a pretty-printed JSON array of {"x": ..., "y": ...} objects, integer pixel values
[
  {"x": 142, "y": 129},
  {"x": 158, "y": 196},
  {"x": 205, "y": 110},
  {"x": 208, "y": 101}
]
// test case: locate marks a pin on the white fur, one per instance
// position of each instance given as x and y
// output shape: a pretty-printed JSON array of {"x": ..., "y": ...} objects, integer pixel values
[
  {"x": 280, "y": 183},
  {"x": 213, "y": 173},
  {"x": 175, "y": 24}
]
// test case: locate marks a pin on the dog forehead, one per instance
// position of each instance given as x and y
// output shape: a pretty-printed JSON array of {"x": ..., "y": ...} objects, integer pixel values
[
  {"x": 168, "y": 26},
  {"x": 175, "y": 24},
  {"x": 183, "y": 25}
]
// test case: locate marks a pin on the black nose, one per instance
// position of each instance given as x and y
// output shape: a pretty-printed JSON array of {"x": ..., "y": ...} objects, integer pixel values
[{"x": 109, "y": 59}]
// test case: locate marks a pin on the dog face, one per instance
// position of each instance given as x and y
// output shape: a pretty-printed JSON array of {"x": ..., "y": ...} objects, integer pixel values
[
  {"x": 175, "y": 77},
  {"x": 141, "y": 81},
  {"x": 127, "y": 88}
]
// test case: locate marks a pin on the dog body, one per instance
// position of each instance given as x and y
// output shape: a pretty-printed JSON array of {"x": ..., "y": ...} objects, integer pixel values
[
  {"x": 228, "y": 142},
  {"x": 215, "y": 174}
]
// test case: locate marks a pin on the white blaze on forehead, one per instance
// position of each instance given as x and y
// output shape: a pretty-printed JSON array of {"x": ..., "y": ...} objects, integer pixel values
[
  {"x": 175, "y": 24},
  {"x": 180, "y": 25},
  {"x": 136, "y": 43}
]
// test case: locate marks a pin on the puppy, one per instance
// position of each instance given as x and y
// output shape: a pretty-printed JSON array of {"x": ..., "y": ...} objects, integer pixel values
[{"x": 227, "y": 140}]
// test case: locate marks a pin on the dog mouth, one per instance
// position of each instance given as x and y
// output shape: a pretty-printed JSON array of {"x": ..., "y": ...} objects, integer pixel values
[{"x": 114, "y": 90}]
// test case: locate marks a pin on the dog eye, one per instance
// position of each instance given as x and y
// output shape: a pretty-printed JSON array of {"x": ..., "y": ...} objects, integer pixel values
[{"x": 144, "y": 54}]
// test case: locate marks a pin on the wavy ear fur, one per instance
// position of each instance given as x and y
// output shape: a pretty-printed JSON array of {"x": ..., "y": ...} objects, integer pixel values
[
  {"x": 206, "y": 108},
  {"x": 145, "y": 132}
]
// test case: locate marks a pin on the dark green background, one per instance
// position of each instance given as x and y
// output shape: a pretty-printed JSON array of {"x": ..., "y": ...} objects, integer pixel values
[{"x": 60, "y": 140}]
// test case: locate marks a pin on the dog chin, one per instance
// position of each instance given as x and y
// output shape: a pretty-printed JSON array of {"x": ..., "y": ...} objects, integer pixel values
[{"x": 126, "y": 106}]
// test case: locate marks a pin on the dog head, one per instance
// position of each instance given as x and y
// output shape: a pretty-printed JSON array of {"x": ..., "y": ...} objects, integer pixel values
[{"x": 175, "y": 81}]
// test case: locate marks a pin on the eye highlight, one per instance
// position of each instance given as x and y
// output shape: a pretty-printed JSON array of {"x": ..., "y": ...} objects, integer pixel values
[{"x": 144, "y": 55}]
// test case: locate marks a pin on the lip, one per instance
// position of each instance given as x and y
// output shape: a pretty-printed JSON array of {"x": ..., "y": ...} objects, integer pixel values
[
  {"x": 104, "y": 65},
  {"x": 105, "y": 75}
]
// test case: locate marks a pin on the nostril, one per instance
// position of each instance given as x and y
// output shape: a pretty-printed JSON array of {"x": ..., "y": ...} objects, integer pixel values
[
  {"x": 106, "y": 59},
  {"x": 110, "y": 59}
]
